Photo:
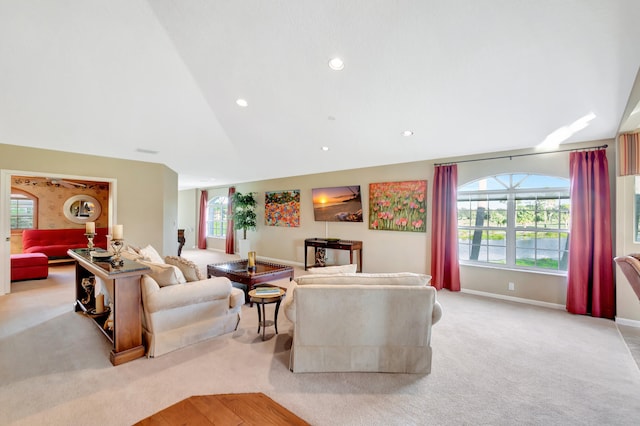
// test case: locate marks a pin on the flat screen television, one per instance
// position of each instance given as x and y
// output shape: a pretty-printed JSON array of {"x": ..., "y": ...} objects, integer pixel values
[{"x": 337, "y": 204}]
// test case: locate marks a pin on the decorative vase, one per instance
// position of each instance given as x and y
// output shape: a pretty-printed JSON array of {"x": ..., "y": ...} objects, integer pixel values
[{"x": 251, "y": 261}]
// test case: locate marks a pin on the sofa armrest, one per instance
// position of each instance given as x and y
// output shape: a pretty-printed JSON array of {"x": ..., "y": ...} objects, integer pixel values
[
  {"x": 437, "y": 313},
  {"x": 158, "y": 298},
  {"x": 288, "y": 304}
]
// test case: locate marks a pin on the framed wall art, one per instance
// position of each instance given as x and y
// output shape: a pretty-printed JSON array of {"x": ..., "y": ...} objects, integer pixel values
[
  {"x": 398, "y": 206},
  {"x": 337, "y": 204},
  {"x": 282, "y": 208}
]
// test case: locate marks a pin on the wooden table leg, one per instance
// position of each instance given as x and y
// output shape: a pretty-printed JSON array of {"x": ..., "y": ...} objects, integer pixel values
[{"x": 275, "y": 316}]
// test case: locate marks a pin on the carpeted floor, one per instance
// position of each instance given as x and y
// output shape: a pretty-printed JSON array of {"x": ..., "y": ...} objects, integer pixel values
[{"x": 494, "y": 362}]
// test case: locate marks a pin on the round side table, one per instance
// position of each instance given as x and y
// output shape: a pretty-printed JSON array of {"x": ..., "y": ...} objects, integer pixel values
[{"x": 262, "y": 296}]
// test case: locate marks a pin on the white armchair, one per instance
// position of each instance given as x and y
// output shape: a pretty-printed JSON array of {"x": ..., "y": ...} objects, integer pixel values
[{"x": 175, "y": 316}]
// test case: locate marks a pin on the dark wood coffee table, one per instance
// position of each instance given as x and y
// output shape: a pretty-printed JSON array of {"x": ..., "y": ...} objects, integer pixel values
[{"x": 237, "y": 272}]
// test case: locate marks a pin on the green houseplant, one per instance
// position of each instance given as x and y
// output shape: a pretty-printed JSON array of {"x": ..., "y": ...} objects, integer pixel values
[{"x": 244, "y": 212}]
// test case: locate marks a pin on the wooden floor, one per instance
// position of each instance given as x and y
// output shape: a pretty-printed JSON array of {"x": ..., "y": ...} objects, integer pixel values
[{"x": 225, "y": 409}]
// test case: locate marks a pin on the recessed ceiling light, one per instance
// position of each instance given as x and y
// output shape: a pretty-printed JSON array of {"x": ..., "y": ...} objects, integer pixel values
[
  {"x": 241, "y": 102},
  {"x": 336, "y": 64},
  {"x": 407, "y": 133},
  {"x": 325, "y": 148}
]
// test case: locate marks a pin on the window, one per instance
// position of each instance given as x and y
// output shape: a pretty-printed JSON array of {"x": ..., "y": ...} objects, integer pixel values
[
  {"x": 217, "y": 217},
  {"x": 23, "y": 209},
  {"x": 515, "y": 220}
]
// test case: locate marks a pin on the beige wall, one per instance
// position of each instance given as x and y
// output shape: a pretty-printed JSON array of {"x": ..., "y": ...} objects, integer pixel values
[
  {"x": 147, "y": 201},
  {"x": 388, "y": 251},
  {"x": 384, "y": 251},
  {"x": 146, "y": 193}
]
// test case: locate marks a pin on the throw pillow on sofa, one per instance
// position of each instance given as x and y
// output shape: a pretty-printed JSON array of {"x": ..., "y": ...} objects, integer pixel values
[
  {"x": 189, "y": 269},
  {"x": 339, "y": 269},
  {"x": 164, "y": 274},
  {"x": 150, "y": 254},
  {"x": 131, "y": 253}
]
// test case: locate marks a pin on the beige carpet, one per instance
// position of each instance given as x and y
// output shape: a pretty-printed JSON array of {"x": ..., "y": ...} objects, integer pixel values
[{"x": 494, "y": 362}]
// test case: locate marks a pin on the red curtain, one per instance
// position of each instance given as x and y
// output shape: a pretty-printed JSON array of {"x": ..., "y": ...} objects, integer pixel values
[
  {"x": 629, "y": 154},
  {"x": 590, "y": 285},
  {"x": 230, "y": 244},
  {"x": 445, "y": 267},
  {"x": 202, "y": 224}
]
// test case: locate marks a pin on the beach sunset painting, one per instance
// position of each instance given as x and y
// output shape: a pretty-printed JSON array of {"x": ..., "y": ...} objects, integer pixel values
[{"x": 337, "y": 204}]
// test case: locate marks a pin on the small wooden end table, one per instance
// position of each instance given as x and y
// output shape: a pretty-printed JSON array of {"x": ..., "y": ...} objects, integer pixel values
[
  {"x": 262, "y": 299},
  {"x": 333, "y": 244}
]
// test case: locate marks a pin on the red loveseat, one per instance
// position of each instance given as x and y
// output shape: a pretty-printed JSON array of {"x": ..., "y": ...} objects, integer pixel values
[{"x": 55, "y": 242}]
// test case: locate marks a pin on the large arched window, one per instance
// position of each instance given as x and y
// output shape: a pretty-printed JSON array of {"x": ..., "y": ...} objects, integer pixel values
[
  {"x": 217, "y": 217},
  {"x": 516, "y": 221},
  {"x": 23, "y": 209}
]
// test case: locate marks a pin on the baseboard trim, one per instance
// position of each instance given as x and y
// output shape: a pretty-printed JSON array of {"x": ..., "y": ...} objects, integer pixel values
[
  {"x": 280, "y": 261},
  {"x": 629, "y": 322},
  {"x": 514, "y": 299}
]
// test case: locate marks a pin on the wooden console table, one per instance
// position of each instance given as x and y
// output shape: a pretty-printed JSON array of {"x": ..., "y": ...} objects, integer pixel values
[
  {"x": 126, "y": 334},
  {"x": 334, "y": 245}
]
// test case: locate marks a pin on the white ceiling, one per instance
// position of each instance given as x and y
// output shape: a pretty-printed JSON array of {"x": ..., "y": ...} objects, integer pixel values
[{"x": 467, "y": 76}]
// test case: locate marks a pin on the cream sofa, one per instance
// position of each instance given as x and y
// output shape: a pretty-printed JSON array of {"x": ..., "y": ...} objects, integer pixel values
[
  {"x": 362, "y": 322},
  {"x": 180, "y": 306}
]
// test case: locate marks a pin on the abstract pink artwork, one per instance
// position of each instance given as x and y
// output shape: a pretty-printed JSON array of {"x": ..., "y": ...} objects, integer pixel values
[{"x": 398, "y": 206}]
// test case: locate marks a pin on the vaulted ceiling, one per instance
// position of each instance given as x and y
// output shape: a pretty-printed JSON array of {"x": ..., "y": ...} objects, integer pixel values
[{"x": 158, "y": 80}]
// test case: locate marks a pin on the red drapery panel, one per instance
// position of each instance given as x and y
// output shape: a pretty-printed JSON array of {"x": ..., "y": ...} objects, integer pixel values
[
  {"x": 445, "y": 267},
  {"x": 202, "y": 224},
  {"x": 590, "y": 285},
  {"x": 230, "y": 244},
  {"x": 629, "y": 154}
]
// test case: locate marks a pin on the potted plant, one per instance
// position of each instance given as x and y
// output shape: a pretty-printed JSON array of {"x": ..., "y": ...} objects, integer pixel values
[{"x": 244, "y": 217}]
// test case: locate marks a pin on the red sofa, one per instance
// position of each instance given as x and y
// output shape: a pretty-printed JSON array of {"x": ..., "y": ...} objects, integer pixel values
[{"x": 55, "y": 242}]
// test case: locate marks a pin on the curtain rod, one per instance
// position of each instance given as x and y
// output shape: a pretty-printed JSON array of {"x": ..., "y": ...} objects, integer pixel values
[{"x": 522, "y": 155}]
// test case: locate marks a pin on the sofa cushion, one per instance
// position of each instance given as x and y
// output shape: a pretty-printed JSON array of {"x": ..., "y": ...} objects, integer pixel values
[
  {"x": 189, "y": 269},
  {"x": 164, "y": 274},
  {"x": 150, "y": 254},
  {"x": 340, "y": 269},
  {"x": 189, "y": 294},
  {"x": 397, "y": 278}
]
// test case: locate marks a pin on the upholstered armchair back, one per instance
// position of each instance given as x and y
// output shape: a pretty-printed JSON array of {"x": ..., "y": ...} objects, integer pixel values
[
  {"x": 360, "y": 327},
  {"x": 630, "y": 267}
]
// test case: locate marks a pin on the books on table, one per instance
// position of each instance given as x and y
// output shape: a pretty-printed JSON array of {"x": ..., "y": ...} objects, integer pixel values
[{"x": 267, "y": 291}]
